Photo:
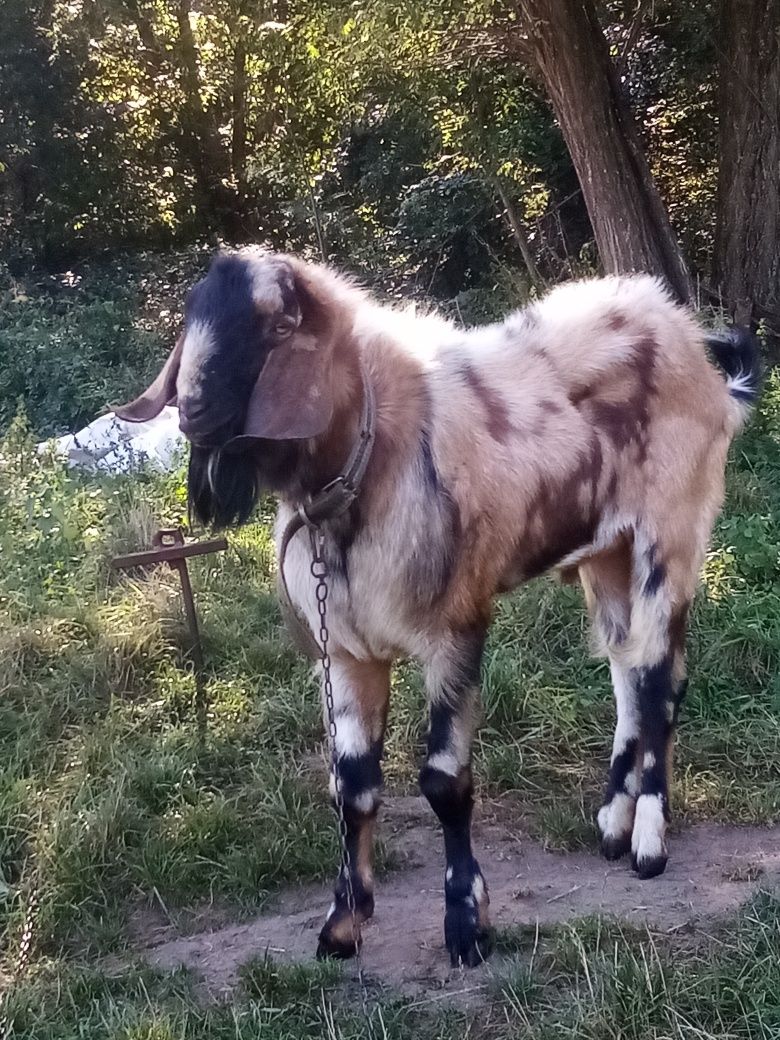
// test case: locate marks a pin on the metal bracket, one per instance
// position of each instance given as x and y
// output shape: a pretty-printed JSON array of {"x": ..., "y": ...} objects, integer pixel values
[{"x": 171, "y": 548}]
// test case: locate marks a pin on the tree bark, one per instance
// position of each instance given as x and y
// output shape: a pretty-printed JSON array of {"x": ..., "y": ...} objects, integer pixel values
[
  {"x": 238, "y": 143},
  {"x": 518, "y": 233},
  {"x": 748, "y": 221},
  {"x": 629, "y": 219}
]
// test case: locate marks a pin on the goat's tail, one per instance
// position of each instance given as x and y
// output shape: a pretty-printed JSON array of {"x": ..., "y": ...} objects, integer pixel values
[{"x": 737, "y": 353}]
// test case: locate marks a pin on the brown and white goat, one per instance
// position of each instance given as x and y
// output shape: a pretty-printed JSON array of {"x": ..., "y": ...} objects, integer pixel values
[{"x": 586, "y": 434}]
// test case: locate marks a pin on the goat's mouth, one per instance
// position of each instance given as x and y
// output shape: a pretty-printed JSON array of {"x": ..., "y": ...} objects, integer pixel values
[{"x": 207, "y": 428}]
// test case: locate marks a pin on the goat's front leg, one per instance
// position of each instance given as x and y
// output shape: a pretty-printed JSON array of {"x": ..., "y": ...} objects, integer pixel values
[
  {"x": 361, "y": 691},
  {"x": 446, "y": 782}
]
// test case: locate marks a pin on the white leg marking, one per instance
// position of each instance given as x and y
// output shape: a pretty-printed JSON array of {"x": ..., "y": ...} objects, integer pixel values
[
  {"x": 627, "y": 727},
  {"x": 617, "y": 818},
  {"x": 351, "y": 737},
  {"x": 648, "y": 837},
  {"x": 445, "y": 762},
  {"x": 367, "y": 801},
  {"x": 457, "y": 754}
]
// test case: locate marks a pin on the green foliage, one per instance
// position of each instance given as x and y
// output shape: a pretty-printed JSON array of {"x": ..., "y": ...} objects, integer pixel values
[
  {"x": 72, "y": 345},
  {"x": 376, "y": 133}
]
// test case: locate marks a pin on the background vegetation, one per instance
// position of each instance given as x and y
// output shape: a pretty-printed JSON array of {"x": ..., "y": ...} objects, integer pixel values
[{"x": 427, "y": 149}]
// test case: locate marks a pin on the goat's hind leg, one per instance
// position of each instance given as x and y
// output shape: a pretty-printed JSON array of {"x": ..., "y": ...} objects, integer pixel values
[
  {"x": 654, "y": 663},
  {"x": 446, "y": 781},
  {"x": 616, "y": 815},
  {"x": 661, "y": 686},
  {"x": 361, "y": 691},
  {"x": 606, "y": 579}
]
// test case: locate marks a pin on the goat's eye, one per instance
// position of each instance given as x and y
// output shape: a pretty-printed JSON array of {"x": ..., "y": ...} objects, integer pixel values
[{"x": 283, "y": 329}]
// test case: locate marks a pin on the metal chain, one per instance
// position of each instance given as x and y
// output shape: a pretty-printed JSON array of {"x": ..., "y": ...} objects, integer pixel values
[
  {"x": 22, "y": 960},
  {"x": 319, "y": 570}
]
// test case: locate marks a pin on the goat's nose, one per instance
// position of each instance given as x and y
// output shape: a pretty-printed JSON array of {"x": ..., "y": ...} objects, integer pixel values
[{"x": 189, "y": 415}]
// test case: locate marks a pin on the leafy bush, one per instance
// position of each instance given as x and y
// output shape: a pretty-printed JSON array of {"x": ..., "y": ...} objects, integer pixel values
[{"x": 74, "y": 344}]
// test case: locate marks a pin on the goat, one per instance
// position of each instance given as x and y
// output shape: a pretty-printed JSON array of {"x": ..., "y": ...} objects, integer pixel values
[{"x": 585, "y": 435}]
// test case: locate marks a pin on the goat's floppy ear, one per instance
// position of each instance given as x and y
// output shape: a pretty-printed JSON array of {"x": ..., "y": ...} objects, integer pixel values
[
  {"x": 161, "y": 392},
  {"x": 293, "y": 396}
]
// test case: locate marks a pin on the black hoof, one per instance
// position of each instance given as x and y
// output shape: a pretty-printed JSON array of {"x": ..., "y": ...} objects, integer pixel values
[
  {"x": 616, "y": 847},
  {"x": 649, "y": 866},
  {"x": 467, "y": 942},
  {"x": 330, "y": 948}
]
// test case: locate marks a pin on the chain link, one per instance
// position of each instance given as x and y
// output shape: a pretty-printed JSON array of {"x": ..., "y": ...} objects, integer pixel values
[
  {"x": 319, "y": 570},
  {"x": 22, "y": 960}
]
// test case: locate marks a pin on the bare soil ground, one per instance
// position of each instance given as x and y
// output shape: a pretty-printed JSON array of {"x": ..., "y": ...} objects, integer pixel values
[{"x": 712, "y": 870}]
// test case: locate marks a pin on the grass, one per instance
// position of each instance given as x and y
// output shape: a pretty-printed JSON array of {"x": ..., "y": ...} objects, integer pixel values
[
  {"x": 112, "y": 798},
  {"x": 592, "y": 979}
]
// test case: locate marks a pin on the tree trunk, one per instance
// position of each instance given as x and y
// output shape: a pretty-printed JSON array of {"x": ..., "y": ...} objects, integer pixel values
[
  {"x": 238, "y": 146},
  {"x": 747, "y": 243},
  {"x": 518, "y": 232},
  {"x": 630, "y": 222}
]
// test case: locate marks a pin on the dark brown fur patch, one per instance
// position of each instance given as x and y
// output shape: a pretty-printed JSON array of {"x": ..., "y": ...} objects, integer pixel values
[
  {"x": 551, "y": 407},
  {"x": 625, "y": 421},
  {"x": 566, "y": 524},
  {"x": 616, "y": 321},
  {"x": 497, "y": 419}
]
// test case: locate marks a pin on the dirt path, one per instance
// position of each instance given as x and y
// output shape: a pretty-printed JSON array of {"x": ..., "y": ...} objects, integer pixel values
[{"x": 712, "y": 870}]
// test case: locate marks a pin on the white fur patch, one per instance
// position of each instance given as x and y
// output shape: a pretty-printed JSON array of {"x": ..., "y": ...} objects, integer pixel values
[
  {"x": 198, "y": 346},
  {"x": 616, "y": 819},
  {"x": 351, "y": 737},
  {"x": 649, "y": 760},
  {"x": 266, "y": 274},
  {"x": 627, "y": 726},
  {"x": 648, "y": 836},
  {"x": 478, "y": 889},
  {"x": 366, "y": 801},
  {"x": 741, "y": 383},
  {"x": 445, "y": 762},
  {"x": 457, "y": 754}
]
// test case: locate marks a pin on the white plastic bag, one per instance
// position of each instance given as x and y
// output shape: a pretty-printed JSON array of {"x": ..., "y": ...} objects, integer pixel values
[{"x": 112, "y": 445}]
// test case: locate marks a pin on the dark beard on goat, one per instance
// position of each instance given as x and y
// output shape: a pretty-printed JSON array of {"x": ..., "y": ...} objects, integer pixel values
[{"x": 224, "y": 487}]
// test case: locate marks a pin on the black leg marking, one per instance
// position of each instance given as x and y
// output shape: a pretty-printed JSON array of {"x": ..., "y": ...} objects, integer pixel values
[
  {"x": 618, "y": 843},
  {"x": 657, "y": 708},
  {"x": 466, "y": 925},
  {"x": 361, "y": 780},
  {"x": 616, "y": 816},
  {"x": 446, "y": 782}
]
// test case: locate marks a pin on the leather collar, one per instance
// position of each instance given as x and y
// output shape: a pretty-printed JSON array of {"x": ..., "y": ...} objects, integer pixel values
[{"x": 326, "y": 504}]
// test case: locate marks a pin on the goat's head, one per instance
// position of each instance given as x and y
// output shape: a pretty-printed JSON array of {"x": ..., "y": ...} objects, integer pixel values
[{"x": 251, "y": 375}]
